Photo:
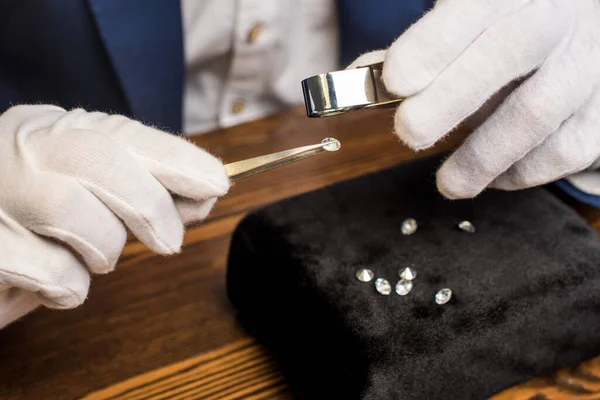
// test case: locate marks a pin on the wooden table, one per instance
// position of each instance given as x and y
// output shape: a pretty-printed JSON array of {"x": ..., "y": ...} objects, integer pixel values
[{"x": 163, "y": 328}]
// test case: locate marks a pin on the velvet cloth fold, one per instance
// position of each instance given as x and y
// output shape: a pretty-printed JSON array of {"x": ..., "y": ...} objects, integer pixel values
[{"x": 526, "y": 288}]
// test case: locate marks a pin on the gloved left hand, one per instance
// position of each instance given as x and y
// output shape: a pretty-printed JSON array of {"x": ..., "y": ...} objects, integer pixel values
[
  {"x": 463, "y": 52},
  {"x": 71, "y": 182}
]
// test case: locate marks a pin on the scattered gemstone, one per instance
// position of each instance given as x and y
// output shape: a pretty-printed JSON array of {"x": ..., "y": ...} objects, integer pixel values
[
  {"x": 403, "y": 287},
  {"x": 365, "y": 275},
  {"x": 407, "y": 273},
  {"x": 443, "y": 296},
  {"x": 409, "y": 226},
  {"x": 467, "y": 226},
  {"x": 331, "y": 144},
  {"x": 383, "y": 286}
]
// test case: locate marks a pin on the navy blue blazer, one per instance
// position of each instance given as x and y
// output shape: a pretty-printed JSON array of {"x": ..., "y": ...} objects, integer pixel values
[{"x": 126, "y": 56}]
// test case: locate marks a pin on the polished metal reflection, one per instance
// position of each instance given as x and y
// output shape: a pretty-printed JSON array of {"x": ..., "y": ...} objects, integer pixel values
[
  {"x": 337, "y": 92},
  {"x": 252, "y": 166}
]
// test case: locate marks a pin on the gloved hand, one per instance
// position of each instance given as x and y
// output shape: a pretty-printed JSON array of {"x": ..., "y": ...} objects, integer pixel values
[
  {"x": 463, "y": 52},
  {"x": 70, "y": 184}
]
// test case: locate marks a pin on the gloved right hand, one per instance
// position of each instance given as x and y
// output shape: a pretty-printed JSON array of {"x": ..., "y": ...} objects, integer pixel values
[
  {"x": 540, "y": 58},
  {"x": 70, "y": 184}
]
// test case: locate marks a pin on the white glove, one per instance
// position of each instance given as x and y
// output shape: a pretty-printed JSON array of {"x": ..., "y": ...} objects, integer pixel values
[
  {"x": 70, "y": 184},
  {"x": 463, "y": 52}
]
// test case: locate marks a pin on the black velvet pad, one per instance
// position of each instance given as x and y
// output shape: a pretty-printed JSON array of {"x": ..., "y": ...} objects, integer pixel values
[{"x": 526, "y": 288}]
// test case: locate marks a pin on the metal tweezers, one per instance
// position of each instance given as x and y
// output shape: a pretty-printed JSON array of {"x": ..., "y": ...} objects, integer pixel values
[
  {"x": 251, "y": 166},
  {"x": 325, "y": 95}
]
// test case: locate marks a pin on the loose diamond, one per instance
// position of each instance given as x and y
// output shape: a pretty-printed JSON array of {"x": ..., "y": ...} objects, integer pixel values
[
  {"x": 443, "y": 296},
  {"x": 409, "y": 226},
  {"x": 407, "y": 273},
  {"x": 365, "y": 275},
  {"x": 467, "y": 226},
  {"x": 403, "y": 287},
  {"x": 383, "y": 286},
  {"x": 331, "y": 144}
]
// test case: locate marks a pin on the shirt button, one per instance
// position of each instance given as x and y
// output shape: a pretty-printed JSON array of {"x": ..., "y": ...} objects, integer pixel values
[
  {"x": 238, "y": 106},
  {"x": 254, "y": 33}
]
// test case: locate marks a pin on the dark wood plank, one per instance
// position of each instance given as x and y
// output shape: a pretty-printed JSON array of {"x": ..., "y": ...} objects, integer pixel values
[
  {"x": 244, "y": 367},
  {"x": 241, "y": 370},
  {"x": 581, "y": 383}
]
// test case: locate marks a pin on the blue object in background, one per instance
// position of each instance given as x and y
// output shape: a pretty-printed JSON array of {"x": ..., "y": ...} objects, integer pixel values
[
  {"x": 577, "y": 194},
  {"x": 374, "y": 24},
  {"x": 115, "y": 56},
  {"x": 144, "y": 43}
]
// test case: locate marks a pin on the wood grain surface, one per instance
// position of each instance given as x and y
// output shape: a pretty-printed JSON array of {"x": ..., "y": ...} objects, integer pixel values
[{"x": 162, "y": 328}]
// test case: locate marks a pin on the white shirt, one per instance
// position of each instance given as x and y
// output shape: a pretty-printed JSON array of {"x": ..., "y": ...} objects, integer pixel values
[{"x": 245, "y": 59}]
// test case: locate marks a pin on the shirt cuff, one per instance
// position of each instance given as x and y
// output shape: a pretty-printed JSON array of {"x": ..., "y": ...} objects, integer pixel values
[{"x": 583, "y": 187}]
